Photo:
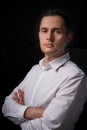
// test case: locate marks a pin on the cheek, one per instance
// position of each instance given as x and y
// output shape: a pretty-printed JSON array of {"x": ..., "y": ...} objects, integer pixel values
[
  {"x": 41, "y": 45},
  {"x": 60, "y": 44},
  {"x": 62, "y": 41},
  {"x": 42, "y": 37}
]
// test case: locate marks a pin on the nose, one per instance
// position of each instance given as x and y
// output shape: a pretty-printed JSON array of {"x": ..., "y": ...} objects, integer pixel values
[{"x": 50, "y": 36}]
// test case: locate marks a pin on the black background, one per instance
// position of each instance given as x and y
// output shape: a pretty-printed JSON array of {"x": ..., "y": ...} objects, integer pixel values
[{"x": 19, "y": 46}]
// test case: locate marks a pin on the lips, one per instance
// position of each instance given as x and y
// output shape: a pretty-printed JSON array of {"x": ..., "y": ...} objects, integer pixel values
[{"x": 49, "y": 45}]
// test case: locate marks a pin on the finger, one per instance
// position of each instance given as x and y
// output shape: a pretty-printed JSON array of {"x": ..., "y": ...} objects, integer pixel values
[
  {"x": 21, "y": 93},
  {"x": 21, "y": 96},
  {"x": 15, "y": 96}
]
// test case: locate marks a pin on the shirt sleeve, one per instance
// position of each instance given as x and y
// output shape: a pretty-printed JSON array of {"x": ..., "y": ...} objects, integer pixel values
[
  {"x": 64, "y": 110},
  {"x": 11, "y": 109}
]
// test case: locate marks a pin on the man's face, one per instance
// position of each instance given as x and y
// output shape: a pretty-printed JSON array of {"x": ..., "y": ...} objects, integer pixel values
[{"x": 52, "y": 35}]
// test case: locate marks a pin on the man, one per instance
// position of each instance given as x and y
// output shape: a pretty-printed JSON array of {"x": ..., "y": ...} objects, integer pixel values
[{"x": 53, "y": 93}]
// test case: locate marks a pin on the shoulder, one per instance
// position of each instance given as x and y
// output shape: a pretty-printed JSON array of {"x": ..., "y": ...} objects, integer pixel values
[
  {"x": 71, "y": 69},
  {"x": 35, "y": 66}
]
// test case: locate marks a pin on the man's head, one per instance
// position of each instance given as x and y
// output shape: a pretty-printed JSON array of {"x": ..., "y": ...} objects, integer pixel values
[
  {"x": 54, "y": 33},
  {"x": 61, "y": 13}
]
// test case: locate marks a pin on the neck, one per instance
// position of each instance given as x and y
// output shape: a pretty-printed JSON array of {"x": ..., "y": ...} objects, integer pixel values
[{"x": 49, "y": 58}]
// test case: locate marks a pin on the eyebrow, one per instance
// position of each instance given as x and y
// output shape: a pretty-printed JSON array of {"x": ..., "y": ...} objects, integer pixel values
[{"x": 55, "y": 28}]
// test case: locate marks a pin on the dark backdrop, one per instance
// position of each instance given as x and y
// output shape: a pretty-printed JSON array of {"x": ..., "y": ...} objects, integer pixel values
[{"x": 19, "y": 46}]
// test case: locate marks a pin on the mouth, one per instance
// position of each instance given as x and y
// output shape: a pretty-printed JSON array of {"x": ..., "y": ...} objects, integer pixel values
[{"x": 48, "y": 45}]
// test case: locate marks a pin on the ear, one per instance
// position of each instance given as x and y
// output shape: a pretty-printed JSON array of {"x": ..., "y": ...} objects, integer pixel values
[{"x": 69, "y": 37}]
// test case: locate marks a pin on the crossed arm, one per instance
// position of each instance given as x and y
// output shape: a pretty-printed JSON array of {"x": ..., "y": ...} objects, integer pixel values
[{"x": 31, "y": 112}]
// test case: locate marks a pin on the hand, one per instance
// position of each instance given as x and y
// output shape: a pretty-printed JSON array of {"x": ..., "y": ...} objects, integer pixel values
[
  {"x": 31, "y": 112},
  {"x": 19, "y": 96}
]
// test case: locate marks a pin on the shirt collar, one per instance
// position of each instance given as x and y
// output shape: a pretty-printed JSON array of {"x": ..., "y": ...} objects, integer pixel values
[{"x": 56, "y": 63}]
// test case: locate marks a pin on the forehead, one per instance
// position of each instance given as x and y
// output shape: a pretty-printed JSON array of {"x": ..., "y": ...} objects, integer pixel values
[{"x": 52, "y": 21}]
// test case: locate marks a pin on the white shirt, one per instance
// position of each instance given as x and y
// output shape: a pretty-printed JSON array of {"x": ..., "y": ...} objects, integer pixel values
[{"x": 59, "y": 86}]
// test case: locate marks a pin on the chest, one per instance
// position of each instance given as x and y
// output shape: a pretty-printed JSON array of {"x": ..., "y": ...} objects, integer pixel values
[{"x": 43, "y": 88}]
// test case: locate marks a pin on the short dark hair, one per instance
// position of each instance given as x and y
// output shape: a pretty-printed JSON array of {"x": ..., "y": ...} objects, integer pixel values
[{"x": 62, "y": 13}]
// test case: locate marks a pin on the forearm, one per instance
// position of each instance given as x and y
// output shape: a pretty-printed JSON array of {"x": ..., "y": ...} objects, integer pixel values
[
  {"x": 13, "y": 111},
  {"x": 30, "y": 112},
  {"x": 33, "y": 112}
]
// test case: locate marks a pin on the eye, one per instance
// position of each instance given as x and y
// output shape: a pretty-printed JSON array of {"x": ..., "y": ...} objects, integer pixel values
[
  {"x": 43, "y": 30},
  {"x": 57, "y": 31}
]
